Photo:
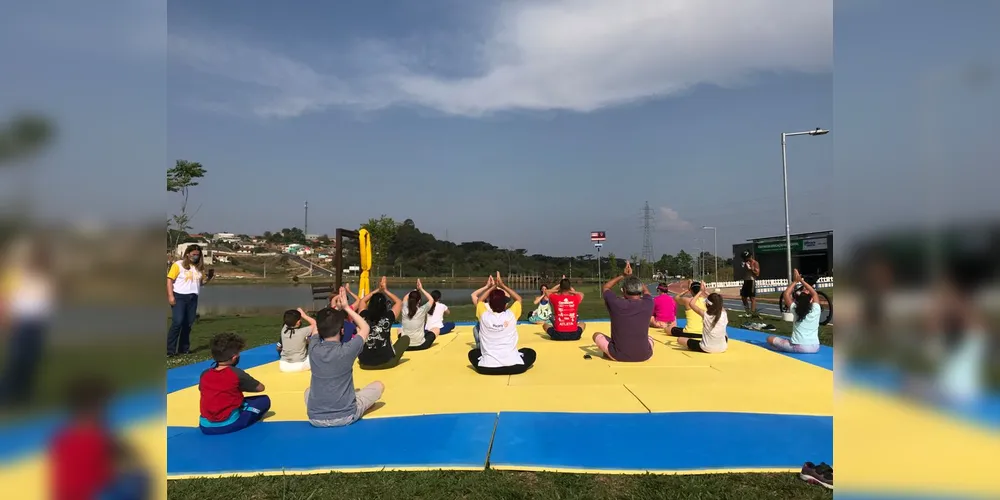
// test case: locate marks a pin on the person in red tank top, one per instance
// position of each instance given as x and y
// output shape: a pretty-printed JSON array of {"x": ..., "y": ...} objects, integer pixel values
[{"x": 565, "y": 312}]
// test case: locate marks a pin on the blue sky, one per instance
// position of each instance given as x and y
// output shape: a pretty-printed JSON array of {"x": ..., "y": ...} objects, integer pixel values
[
  {"x": 493, "y": 125},
  {"x": 522, "y": 125}
]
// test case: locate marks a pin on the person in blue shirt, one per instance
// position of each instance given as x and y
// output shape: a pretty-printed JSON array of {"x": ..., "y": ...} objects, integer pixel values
[{"x": 802, "y": 300}]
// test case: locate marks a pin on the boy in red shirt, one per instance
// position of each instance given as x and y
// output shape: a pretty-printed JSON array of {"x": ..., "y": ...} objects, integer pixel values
[
  {"x": 565, "y": 313},
  {"x": 87, "y": 460},
  {"x": 223, "y": 407}
]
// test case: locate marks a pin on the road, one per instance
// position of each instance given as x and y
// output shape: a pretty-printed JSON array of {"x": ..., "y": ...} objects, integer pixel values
[
  {"x": 764, "y": 307},
  {"x": 322, "y": 271}
]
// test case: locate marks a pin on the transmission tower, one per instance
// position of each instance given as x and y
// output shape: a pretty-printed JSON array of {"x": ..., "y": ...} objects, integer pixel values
[{"x": 647, "y": 240}]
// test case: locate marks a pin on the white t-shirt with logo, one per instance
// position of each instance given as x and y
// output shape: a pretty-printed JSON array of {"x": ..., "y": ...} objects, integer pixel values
[
  {"x": 436, "y": 319},
  {"x": 186, "y": 281},
  {"x": 498, "y": 337}
]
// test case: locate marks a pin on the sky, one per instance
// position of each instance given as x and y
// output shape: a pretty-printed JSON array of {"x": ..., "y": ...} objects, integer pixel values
[
  {"x": 548, "y": 120},
  {"x": 525, "y": 124}
]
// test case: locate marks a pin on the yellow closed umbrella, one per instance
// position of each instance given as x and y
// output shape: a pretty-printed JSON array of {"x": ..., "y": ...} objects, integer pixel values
[{"x": 365, "y": 238}]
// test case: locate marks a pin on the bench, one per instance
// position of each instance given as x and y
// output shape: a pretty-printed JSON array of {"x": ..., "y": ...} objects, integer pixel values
[{"x": 321, "y": 292}]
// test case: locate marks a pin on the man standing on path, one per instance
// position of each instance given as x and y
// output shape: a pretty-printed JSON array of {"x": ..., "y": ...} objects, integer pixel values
[{"x": 748, "y": 294}]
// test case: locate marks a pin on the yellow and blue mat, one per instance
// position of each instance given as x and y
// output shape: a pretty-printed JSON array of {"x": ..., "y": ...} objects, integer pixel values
[{"x": 750, "y": 409}]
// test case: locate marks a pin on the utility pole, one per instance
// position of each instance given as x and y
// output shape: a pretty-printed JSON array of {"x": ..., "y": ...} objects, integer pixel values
[
  {"x": 647, "y": 240},
  {"x": 305, "y": 229}
]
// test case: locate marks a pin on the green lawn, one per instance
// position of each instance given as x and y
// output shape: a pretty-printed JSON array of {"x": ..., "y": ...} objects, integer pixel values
[
  {"x": 488, "y": 484},
  {"x": 496, "y": 485}
]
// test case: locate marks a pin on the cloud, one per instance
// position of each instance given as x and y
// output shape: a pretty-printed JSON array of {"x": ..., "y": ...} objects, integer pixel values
[
  {"x": 670, "y": 219},
  {"x": 572, "y": 55}
]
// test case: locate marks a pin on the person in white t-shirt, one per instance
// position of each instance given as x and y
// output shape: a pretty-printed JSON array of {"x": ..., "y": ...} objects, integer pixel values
[
  {"x": 714, "y": 339},
  {"x": 184, "y": 281},
  {"x": 294, "y": 341},
  {"x": 435, "y": 316},
  {"x": 497, "y": 353}
]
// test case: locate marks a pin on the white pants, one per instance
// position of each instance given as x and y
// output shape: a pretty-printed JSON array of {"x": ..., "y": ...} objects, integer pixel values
[{"x": 285, "y": 366}]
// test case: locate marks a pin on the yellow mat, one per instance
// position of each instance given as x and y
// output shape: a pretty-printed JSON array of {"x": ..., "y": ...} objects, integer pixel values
[
  {"x": 439, "y": 380},
  {"x": 29, "y": 477},
  {"x": 884, "y": 444}
]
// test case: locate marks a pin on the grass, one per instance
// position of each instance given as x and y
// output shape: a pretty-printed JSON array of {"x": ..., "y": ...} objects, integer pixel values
[{"x": 492, "y": 484}]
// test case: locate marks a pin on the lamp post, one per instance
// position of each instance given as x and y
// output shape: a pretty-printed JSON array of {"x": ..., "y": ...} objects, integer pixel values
[
  {"x": 715, "y": 254},
  {"x": 787, "y": 316}
]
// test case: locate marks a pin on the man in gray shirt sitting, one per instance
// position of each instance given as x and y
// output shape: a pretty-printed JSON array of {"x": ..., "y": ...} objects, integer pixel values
[{"x": 331, "y": 400}]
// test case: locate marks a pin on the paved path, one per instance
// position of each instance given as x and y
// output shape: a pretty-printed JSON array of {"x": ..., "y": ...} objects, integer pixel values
[{"x": 315, "y": 268}]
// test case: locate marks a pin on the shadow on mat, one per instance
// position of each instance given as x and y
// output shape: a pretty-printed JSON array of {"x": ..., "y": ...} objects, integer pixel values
[
  {"x": 592, "y": 351},
  {"x": 374, "y": 408}
]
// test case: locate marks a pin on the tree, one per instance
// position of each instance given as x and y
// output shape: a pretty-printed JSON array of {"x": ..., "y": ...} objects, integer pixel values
[
  {"x": 24, "y": 136},
  {"x": 683, "y": 263},
  {"x": 181, "y": 178},
  {"x": 612, "y": 264},
  {"x": 383, "y": 232}
]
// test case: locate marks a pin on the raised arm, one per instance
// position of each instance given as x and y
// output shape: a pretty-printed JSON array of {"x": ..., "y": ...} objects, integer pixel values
[
  {"x": 510, "y": 292},
  {"x": 808, "y": 288},
  {"x": 397, "y": 305},
  {"x": 543, "y": 295},
  {"x": 614, "y": 281},
  {"x": 427, "y": 295},
  {"x": 693, "y": 304},
  {"x": 362, "y": 303},
  {"x": 357, "y": 299},
  {"x": 362, "y": 326},
  {"x": 309, "y": 320},
  {"x": 478, "y": 294}
]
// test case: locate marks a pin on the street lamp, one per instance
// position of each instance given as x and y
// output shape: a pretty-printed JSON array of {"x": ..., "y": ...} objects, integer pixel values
[
  {"x": 715, "y": 255},
  {"x": 787, "y": 316}
]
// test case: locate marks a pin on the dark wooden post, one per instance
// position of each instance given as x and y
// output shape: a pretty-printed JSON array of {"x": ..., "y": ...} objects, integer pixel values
[{"x": 338, "y": 258}]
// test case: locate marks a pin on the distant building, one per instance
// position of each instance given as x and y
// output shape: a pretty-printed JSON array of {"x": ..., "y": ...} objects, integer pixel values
[
  {"x": 206, "y": 251},
  {"x": 812, "y": 253},
  {"x": 226, "y": 237}
]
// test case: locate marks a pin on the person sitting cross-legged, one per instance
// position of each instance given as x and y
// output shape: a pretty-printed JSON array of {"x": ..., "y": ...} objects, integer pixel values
[
  {"x": 565, "y": 302},
  {"x": 497, "y": 353},
  {"x": 630, "y": 340},
  {"x": 380, "y": 353},
  {"x": 331, "y": 400}
]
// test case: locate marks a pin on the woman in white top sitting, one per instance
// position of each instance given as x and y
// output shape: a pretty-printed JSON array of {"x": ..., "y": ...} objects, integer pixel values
[
  {"x": 435, "y": 316},
  {"x": 498, "y": 353},
  {"x": 714, "y": 318},
  {"x": 413, "y": 318}
]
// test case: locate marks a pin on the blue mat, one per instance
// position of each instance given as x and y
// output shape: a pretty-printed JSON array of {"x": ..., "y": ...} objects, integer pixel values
[
  {"x": 186, "y": 376},
  {"x": 985, "y": 411},
  {"x": 19, "y": 440},
  {"x": 660, "y": 441},
  {"x": 822, "y": 359},
  {"x": 433, "y": 441}
]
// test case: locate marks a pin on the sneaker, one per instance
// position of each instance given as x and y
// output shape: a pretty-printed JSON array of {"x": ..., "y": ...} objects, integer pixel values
[{"x": 821, "y": 474}]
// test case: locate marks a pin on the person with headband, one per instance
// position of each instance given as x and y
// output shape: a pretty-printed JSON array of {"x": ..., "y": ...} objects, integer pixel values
[
  {"x": 630, "y": 340},
  {"x": 664, "y": 309}
]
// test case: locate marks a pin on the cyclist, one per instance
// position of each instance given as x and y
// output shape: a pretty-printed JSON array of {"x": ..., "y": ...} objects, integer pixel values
[{"x": 748, "y": 294}]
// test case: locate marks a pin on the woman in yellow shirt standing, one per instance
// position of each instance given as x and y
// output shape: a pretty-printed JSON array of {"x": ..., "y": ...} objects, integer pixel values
[{"x": 184, "y": 281}]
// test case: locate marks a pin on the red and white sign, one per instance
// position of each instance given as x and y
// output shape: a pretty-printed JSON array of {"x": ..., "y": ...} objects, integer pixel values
[{"x": 597, "y": 236}]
